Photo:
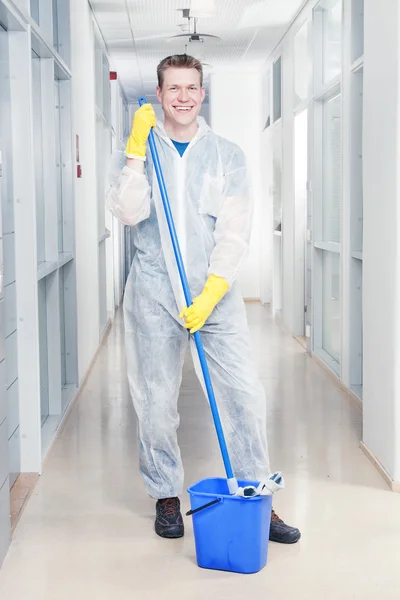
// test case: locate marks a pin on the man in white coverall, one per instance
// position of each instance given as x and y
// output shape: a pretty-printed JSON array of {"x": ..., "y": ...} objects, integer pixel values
[{"x": 207, "y": 182}]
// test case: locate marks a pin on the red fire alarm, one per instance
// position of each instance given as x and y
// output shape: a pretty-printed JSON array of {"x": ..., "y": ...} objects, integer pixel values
[
  {"x": 79, "y": 171},
  {"x": 113, "y": 75}
]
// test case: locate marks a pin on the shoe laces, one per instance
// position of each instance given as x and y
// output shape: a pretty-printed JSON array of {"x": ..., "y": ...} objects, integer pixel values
[
  {"x": 275, "y": 518},
  {"x": 169, "y": 506}
]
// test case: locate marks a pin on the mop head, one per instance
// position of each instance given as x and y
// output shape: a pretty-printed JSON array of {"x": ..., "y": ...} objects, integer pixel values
[{"x": 267, "y": 487}]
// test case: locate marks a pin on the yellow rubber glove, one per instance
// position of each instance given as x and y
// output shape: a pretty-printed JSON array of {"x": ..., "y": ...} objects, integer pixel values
[
  {"x": 196, "y": 315},
  {"x": 143, "y": 120}
]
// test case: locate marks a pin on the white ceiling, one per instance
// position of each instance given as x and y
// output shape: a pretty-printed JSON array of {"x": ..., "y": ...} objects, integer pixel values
[{"x": 136, "y": 34}]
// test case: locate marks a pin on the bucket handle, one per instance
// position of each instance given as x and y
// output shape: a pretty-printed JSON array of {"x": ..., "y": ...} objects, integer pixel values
[{"x": 196, "y": 510}]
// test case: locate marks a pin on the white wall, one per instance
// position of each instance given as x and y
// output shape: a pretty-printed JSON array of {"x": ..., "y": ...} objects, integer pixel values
[
  {"x": 381, "y": 254},
  {"x": 236, "y": 114},
  {"x": 85, "y": 189}
]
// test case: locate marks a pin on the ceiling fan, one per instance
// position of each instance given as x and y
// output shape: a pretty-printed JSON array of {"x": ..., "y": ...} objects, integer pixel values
[
  {"x": 194, "y": 36},
  {"x": 186, "y": 32}
]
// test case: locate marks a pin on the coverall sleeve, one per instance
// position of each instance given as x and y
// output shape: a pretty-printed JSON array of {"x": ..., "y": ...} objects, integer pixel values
[
  {"x": 234, "y": 222},
  {"x": 128, "y": 198}
]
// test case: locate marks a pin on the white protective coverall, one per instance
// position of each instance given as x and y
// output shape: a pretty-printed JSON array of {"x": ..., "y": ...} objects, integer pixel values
[{"x": 208, "y": 188}]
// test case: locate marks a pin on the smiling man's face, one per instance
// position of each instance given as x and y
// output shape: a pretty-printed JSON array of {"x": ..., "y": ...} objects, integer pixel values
[{"x": 181, "y": 95}]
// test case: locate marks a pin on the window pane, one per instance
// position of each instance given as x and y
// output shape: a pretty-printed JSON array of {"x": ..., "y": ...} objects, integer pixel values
[
  {"x": 43, "y": 357},
  {"x": 277, "y": 89},
  {"x": 106, "y": 89},
  {"x": 61, "y": 28},
  {"x": 100, "y": 164},
  {"x": 266, "y": 98},
  {"x": 356, "y": 327},
  {"x": 38, "y": 154},
  {"x": 62, "y": 328},
  {"x": 55, "y": 24},
  {"x": 102, "y": 287},
  {"x": 99, "y": 74},
  {"x": 58, "y": 163},
  {"x": 357, "y": 21},
  {"x": 330, "y": 12},
  {"x": 301, "y": 65},
  {"x": 357, "y": 162},
  {"x": 331, "y": 327},
  {"x": 35, "y": 10},
  {"x": 332, "y": 169},
  {"x": 277, "y": 190}
]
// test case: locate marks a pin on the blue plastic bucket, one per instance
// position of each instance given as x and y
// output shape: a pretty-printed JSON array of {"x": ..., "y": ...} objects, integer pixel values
[{"x": 231, "y": 533}]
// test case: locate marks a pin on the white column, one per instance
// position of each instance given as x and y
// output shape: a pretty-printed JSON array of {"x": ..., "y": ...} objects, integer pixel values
[
  {"x": 381, "y": 254},
  {"x": 25, "y": 251},
  {"x": 86, "y": 203}
]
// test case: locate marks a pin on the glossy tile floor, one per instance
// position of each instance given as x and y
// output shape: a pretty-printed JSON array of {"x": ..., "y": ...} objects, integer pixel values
[{"x": 87, "y": 532}]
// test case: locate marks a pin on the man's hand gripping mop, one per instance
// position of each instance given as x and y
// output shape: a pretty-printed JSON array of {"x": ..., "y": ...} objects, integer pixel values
[{"x": 235, "y": 536}]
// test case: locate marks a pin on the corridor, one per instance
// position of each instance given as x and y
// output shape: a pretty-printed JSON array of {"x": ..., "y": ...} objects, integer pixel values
[{"x": 87, "y": 531}]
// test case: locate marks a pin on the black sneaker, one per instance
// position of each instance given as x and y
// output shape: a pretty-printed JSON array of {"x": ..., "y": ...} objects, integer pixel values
[
  {"x": 169, "y": 522},
  {"x": 282, "y": 533}
]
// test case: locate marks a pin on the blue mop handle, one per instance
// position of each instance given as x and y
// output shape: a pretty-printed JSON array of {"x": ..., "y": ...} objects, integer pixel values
[{"x": 188, "y": 298}]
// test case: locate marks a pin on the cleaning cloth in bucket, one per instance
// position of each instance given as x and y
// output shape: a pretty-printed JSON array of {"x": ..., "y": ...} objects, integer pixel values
[{"x": 267, "y": 487}]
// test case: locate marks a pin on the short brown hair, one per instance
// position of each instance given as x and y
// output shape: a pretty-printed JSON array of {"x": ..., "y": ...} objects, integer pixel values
[{"x": 179, "y": 61}]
